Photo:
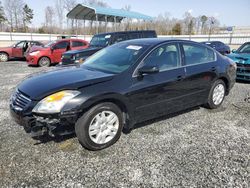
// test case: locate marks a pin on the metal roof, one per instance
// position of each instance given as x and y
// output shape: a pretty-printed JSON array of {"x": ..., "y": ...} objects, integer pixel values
[{"x": 89, "y": 12}]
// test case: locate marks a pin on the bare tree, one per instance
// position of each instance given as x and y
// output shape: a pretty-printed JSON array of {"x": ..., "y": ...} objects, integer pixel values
[
  {"x": 68, "y": 6},
  {"x": 3, "y": 18},
  {"x": 49, "y": 14},
  {"x": 59, "y": 6}
]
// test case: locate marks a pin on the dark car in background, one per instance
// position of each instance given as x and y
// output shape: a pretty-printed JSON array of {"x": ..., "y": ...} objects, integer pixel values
[
  {"x": 101, "y": 41},
  {"x": 242, "y": 58},
  {"x": 119, "y": 86},
  {"x": 219, "y": 46},
  {"x": 17, "y": 50}
]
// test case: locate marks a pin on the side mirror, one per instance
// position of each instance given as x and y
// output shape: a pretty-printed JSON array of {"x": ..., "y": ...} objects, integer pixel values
[
  {"x": 148, "y": 70},
  {"x": 234, "y": 51},
  {"x": 53, "y": 47}
]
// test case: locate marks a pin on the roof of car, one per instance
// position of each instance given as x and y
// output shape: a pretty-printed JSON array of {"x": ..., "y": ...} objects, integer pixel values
[
  {"x": 154, "y": 41},
  {"x": 139, "y": 31},
  {"x": 211, "y": 41}
]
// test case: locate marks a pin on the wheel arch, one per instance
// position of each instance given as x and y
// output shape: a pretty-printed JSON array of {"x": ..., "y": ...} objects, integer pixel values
[
  {"x": 226, "y": 81},
  {"x": 116, "y": 99},
  {"x": 5, "y": 53},
  {"x": 42, "y": 57}
]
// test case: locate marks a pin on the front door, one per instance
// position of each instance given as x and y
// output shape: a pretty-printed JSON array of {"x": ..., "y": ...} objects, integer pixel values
[
  {"x": 58, "y": 49},
  {"x": 159, "y": 93},
  {"x": 17, "y": 50}
]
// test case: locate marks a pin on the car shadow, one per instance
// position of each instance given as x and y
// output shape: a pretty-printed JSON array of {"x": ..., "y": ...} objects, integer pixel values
[
  {"x": 162, "y": 118},
  {"x": 243, "y": 81},
  {"x": 46, "y": 138}
]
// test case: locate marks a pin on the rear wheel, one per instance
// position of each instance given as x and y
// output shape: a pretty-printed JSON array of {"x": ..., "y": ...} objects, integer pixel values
[
  {"x": 44, "y": 62},
  {"x": 216, "y": 94},
  {"x": 100, "y": 127},
  {"x": 3, "y": 57}
]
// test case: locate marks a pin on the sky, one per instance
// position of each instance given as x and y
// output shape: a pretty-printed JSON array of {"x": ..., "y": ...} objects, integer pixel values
[{"x": 228, "y": 12}]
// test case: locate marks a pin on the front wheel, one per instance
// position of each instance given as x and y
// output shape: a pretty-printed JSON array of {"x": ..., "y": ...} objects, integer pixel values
[
  {"x": 216, "y": 94},
  {"x": 44, "y": 62},
  {"x": 4, "y": 57},
  {"x": 100, "y": 127}
]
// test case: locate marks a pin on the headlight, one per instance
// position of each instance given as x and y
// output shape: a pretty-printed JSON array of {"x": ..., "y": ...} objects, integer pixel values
[
  {"x": 34, "y": 53},
  {"x": 55, "y": 102}
]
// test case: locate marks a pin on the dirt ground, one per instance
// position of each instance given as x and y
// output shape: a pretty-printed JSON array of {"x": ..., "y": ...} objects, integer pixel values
[{"x": 196, "y": 148}]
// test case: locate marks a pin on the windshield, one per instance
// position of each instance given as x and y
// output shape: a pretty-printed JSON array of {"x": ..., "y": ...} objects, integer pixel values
[
  {"x": 244, "y": 48},
  {"x": 100, "y": 40},
  {"x": 115, "y": 59},
  {"x": 49, "y": 44}
]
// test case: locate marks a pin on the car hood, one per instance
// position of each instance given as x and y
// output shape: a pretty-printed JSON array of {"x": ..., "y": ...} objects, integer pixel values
[
  {"x": 82, "y": 50},
  {"x": 239, "y": 57},
  {"x": 43, "y": 84}
]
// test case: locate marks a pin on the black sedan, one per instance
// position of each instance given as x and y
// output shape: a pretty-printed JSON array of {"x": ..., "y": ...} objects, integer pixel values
[
  {"x": 219, "y": 46},
  {"x": 120, "y": 86}
]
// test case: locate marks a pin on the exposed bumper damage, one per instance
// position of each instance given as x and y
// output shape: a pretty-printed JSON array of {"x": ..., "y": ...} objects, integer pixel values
[{"x": 38, "y": 126}]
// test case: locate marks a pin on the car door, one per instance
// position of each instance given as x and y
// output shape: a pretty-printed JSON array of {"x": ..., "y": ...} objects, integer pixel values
[
  {"x": 200, "y": 71},
  {"x": 160, "y": 93},
  {"x": 17, "y": 50},
  {"x": 58, "y": 49}
]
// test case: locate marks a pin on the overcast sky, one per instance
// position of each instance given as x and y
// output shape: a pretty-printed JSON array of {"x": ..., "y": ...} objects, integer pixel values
[{"x": 228, "y": 12}]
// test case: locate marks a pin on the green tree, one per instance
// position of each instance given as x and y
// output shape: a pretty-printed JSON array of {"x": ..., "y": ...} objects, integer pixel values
[
  {"x": 28, "y": 15},
  {"x": 176, "y": 30},
  {"x": 203, "y": 22}
]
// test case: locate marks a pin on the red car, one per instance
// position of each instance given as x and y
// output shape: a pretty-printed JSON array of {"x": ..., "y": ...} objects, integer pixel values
[
  {"x": 17, "y": 50},
  {"x": 52, "y": 52}
]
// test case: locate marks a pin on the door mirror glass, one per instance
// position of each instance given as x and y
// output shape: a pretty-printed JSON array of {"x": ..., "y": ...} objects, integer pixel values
[{"x": 148, "y": 70}]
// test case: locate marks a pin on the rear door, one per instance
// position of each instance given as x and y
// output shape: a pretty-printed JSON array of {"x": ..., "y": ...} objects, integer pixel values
[
  {"x": 160, "y": 93},
  {"x": 201, "y": 70},
  {"x": 58, "y": 49}
]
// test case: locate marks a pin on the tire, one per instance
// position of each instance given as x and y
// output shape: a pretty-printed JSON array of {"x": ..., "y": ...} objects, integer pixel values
[
  {"x": 100, "y": 127},
  {"x": 218, "y": 89},
  {"x": 44, "y": 62},
  {"x": 3, "y": 57}
]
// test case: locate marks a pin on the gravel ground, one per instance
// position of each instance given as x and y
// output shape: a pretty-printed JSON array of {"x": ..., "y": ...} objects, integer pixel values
[{"x": 198, "y": 148}]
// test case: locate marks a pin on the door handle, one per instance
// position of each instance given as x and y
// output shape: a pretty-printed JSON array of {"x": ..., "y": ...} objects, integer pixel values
[
  {"x": 179, "y": 78},
  {"x": 213, "y": 69}
]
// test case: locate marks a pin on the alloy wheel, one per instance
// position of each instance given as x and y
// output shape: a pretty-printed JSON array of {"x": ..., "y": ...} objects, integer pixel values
[
  {"x": 218, "y": 94},
  {"x": 104, "y": 127}
]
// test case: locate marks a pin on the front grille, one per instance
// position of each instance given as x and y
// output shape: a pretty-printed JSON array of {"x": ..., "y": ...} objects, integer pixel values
[
  {"x": 243, "y": 65},
  {"x": 20, "y": 101}
]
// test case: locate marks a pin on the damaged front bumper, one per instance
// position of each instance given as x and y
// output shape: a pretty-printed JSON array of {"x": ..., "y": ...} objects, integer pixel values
[{"x": 39, "y": 125}]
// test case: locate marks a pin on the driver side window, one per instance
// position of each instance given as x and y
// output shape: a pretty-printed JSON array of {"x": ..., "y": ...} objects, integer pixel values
[
  {"x": 20, "y": 45},
  {"x": 164, "y": 57},
  {"x": 62, "y": 45}
]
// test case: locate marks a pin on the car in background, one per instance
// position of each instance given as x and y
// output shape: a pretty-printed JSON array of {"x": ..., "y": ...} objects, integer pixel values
[
  {"x": 242, "y": 58},
  {"x": 101, "y": 41},
  {"x": 119, "y": 86},
  {"x": 219, "y": 46},
  {"x": 17, "y": 50},
  {"x": 52, "y": 52}
]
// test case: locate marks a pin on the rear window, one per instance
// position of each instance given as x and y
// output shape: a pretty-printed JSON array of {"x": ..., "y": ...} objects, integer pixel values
[
  {"x": 195, "y": 54},
  {"x": 78, "y": 43},
  {"x": 149, "y": 34},
  {"x": 134, "y": 35}
]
